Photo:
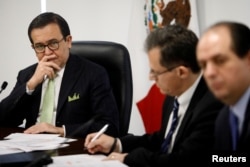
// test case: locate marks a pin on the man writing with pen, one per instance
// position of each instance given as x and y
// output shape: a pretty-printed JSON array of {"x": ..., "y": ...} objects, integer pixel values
[
  {"x": 61, "y": 92},
  {"x": 189, "y": 111},
  {"x": 99, "y": 133}
]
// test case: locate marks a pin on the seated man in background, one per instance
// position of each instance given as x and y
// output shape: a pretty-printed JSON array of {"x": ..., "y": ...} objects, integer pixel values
[
  {"x": 80, "y": 89},
  {"x": 189, "y": 111},
  {"x": 223, "y": 54}
]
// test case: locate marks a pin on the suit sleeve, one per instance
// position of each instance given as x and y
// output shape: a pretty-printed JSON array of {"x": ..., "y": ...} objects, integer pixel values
[
  {"x": 18, "y": 105},
  {"x": 193, "y": 147},
  {"x": 145, "y": 151}
]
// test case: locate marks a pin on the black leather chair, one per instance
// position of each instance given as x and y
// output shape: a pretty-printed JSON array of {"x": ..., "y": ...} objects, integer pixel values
[{"x": 115, "y": 59}]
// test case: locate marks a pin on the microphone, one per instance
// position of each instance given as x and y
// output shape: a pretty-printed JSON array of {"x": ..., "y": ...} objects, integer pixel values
[
  {"x": 4, "y": 85},
  {"x": 45, "y": 159}
]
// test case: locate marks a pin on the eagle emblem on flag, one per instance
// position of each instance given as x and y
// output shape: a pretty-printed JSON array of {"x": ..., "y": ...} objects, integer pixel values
[{"x": 164, "y": 12}]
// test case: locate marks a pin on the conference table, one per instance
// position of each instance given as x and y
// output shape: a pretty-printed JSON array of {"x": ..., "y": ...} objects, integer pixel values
[
  {"x": 75, "y": 147},
  {"x": 40, "y": 158}
]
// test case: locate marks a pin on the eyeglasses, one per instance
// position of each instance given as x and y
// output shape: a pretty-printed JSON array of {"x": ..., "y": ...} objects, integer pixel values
[
  {"x": 154, "y": 75},
  {"x": 52, "y": 45}
]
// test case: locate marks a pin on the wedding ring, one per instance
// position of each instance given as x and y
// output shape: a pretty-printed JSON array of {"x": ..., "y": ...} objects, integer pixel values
[{"x": 112, "y": 157}]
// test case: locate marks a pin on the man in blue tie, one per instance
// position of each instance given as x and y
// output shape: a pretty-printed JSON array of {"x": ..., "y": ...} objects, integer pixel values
[
  {"x": 189, "y": 111},
  {"x": 223, "y": 54}
]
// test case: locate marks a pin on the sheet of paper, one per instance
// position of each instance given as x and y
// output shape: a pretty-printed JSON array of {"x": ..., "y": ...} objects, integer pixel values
[
  {"x": 32, "y": 142},
  {"x": 17, "y": 136},
  {"x": 84, "y": 160},
  {"x": 6, "y": 150}
]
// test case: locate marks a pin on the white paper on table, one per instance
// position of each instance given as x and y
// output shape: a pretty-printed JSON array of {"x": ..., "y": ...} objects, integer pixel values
[
  {"x": 7, "y": 150},
  {"x": 18, "y": 136},
  {"x": 32, "y": 142},
  {"x": 84, "y": 160}
]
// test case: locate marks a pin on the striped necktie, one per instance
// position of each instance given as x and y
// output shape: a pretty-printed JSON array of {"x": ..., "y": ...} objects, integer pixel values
[
  {"x": 48, "y": 103},
  {"x": 165, "y": 145}
]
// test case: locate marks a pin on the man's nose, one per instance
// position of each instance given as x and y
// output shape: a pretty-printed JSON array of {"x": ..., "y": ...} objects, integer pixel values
[{"x": 47, "y": 50}]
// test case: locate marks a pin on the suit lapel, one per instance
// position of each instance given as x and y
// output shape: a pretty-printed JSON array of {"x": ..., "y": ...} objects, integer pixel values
[
  {"x": 197, "y": 96},
  {"x": 70, "y": 76},
  {"x": 167, "y": 109},
  {"x": 223, "y": 132},
  {"x": 244, "y": 138}
]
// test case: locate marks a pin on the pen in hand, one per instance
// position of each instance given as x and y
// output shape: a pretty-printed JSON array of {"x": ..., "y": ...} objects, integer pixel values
[{"x": 99, "y": 133}]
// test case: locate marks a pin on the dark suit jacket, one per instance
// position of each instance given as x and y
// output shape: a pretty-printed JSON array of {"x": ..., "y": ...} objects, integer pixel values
[
  {"x": 82, "y": 77},
  {"x": 223, "y": 142},
  {"x": 194, "y": 137}
]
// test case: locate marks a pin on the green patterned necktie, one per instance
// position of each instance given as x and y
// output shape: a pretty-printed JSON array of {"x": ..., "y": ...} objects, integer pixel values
[{"x": 48, "y": 103}]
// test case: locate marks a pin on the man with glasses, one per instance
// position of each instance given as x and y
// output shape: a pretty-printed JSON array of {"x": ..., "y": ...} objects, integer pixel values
[
  {"x": 189, "y": 112},
  {"x": 61, "y": 92}
]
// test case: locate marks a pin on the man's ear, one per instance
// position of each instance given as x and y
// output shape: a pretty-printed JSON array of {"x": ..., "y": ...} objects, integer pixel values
[
  {"x": 69, "y": 40},
  {"x": 248, "y": 58},
  {"x": 183, "y": 71}
]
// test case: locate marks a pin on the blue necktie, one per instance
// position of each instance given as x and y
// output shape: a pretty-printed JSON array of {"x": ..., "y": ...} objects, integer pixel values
[
  {"x": 234, "y": 129},
  {"x": 165, "y": 145}
]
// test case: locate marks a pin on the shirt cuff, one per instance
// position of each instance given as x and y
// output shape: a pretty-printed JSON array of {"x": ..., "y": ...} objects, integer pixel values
[
  {"x": 28, "y": 91},
  {"x": 119, "y": 146},
  {"x": 64, "y": 130}
]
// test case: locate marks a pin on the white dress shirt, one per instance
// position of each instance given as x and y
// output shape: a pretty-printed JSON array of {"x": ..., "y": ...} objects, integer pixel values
[
  {"x": 239, "y": 109},
  {"x": 184, "y": 101},
  {"x": 58, "y": 81}
]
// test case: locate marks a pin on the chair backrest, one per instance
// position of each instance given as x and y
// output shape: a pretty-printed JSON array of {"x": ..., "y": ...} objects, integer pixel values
[{"x": 115, "y": 59}]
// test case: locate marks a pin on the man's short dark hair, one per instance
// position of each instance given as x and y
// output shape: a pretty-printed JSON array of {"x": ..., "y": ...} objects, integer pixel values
[
  {"x": 177, "y": 45},
  {"x": 46, "y": 18},
  {"x": 240, "y": 36}
]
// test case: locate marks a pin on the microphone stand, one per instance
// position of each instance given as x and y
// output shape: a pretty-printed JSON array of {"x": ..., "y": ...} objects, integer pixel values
[{"x": 4, "y": 85}]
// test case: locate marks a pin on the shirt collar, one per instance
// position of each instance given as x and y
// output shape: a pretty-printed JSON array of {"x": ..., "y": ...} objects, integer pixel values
[
  {"x": 239, "y": 108},
  {"x": 60, "y": 73},
  {"x": 184, "y": 98}
]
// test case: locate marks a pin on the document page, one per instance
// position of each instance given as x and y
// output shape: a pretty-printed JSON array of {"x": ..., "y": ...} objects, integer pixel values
[
  {"x": 84, "y": 160},
  {"x": 20, "y": 142}
]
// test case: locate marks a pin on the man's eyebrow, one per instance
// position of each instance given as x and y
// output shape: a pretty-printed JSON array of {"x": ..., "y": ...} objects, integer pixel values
[{"x": 51, "y": 40}]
